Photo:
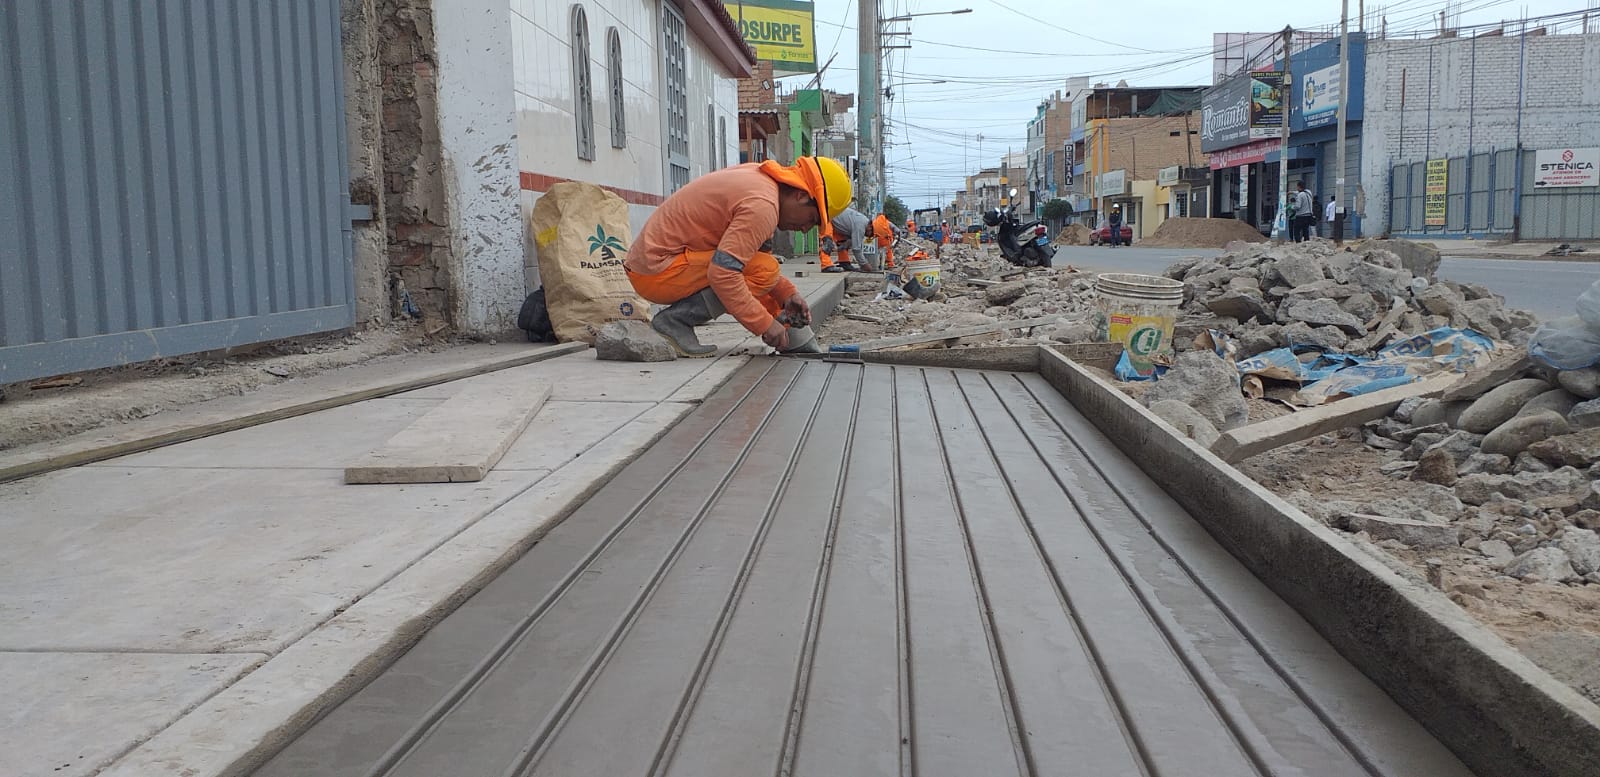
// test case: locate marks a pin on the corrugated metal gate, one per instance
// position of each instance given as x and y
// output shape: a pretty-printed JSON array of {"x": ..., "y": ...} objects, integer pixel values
[
  {"x": 172, "y": 179},
  {"x": 1480, "y": 198}
]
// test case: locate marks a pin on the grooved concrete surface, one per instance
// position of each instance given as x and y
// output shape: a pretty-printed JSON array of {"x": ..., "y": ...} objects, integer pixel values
[{"x": 843, "y": 570}]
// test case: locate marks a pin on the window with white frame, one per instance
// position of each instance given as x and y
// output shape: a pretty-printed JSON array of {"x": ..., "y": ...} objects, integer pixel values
[
  {"x": 582, "y": 83},
  {"x": 675, "y": 95},
  {"x": 619, "y": 117}
]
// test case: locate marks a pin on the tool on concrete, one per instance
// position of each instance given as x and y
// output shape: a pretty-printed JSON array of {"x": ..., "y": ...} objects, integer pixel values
[
  {"x": 459, "y": 441},
  {"x": 678, "y": 321}
]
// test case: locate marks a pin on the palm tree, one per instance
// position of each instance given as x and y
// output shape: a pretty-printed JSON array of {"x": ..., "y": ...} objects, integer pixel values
[{"x": 606, "y": 244}]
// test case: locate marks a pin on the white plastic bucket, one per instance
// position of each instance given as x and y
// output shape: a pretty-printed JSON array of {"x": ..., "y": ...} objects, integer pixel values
[
  {"x": 921, "y": 278},
  {"x": 1139, "y": 311}
]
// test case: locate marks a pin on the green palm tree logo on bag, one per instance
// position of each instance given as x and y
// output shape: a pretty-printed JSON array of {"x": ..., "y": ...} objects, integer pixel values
[{"x": 607, "y": 245}]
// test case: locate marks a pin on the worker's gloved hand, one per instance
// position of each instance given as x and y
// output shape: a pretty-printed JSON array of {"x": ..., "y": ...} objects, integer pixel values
[
  {"x": 776, "y": 336},
  {"x": 799, "y": 312}
]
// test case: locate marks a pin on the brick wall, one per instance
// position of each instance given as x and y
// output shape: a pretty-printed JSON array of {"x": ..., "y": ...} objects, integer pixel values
[
  {"x": 1463, "y": 92},
  {"x": 1144, "y": 145},
  {"x": 752, "y": 95}
]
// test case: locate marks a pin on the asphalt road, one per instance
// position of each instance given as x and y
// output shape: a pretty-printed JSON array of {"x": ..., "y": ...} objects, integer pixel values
[{"x": 1549, "y": 289}]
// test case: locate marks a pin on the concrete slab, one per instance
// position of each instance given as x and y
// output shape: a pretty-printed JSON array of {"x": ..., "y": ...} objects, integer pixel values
[
  {"x": 1244, "y": 442},
  {"x": 324, "y": 439},
  {"x": 237, "y": 729},
  {"x": 285, "y": 400},
  {"x": 581, "y": 377},
  {"x": 459, "y": 441},
  {"x": 563, "y": 431},
  {"x": 122, "y": 698},
  {"x": 210, "y": 560}
]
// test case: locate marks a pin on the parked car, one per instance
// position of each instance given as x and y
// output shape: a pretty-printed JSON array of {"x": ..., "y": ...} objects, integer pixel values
[{"x": 1103, "y": 235}]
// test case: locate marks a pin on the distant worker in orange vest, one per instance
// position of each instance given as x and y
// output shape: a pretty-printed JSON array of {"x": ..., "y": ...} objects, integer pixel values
[
  {"x": 707, "y": 250},
  {"x": 884, "y": 232},
  {"x": 941, "y": 238},
  {"x": 849, "y": 235}
]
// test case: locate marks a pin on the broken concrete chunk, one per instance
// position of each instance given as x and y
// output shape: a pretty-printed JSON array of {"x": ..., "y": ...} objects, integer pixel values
[
  {"x": 1496, "y": 373},
  {"x": 1580, "y": 449},
  {"x": 1582, "y": 547},
  {"x": 1241, "y": 305},
  {"x": 1484, "y": 464},
  {"x": 1416, "y": 534},
  {"x": 630, "y": 340},
  {"x": 1565, "y": 487},
  {"x": 1005, "y": 293},
  {"x": 1514, "y": 436},
  {"x": 1298, "y": 268},
  {"x": 1497, "y": 551},
  {"x": 1320, "y": 312},
  {"x": 1203, "y": 381},
  {"x": 1549, "y": 565},
  {"x": 1500, "y": 405}
]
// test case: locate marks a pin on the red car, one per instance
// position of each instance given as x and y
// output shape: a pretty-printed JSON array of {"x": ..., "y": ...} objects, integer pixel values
[{"x": 1103, "y": 235}]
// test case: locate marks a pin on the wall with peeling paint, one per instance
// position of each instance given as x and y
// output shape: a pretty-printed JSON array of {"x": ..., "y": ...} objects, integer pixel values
[{"x": 478, "y": 137}]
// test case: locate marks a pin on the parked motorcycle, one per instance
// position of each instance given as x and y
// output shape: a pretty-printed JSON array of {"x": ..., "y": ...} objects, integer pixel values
[{"x": 1024, "y": 245}]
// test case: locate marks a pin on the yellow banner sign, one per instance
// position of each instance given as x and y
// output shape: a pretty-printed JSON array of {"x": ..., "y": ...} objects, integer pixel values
[
  {"x": 1435, "y": 198},
  {"x": 780, "y": 31}
]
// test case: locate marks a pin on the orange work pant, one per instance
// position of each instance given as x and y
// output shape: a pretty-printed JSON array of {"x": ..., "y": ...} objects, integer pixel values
[
  {"x": 827, "y": 261},
  {"x": 688, "y": 275},
  {"x": 886, "y": 249}
]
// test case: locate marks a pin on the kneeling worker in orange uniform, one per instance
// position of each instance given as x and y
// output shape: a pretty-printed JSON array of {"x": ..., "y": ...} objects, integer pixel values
[
  {"x": 884, "y": 232},
  {"x": 705, "y": 251}
]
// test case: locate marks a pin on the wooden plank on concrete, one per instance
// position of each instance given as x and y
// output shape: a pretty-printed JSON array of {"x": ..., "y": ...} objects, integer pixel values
[
  {"x": 460, "y": 440},
  {"x": 331, "y": 389},
  {"x": 954, "y": 334},
  {"x": 1247, "y": 441}
]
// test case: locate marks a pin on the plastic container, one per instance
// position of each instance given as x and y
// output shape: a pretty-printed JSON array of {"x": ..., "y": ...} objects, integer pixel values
[
  {"x": 1139, "y": 311},
  {"x": 923, "y": 277}
]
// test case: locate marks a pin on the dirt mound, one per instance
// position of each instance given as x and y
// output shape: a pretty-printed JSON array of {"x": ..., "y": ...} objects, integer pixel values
[
  {"x": 1201, "y": 233},
  {"x": 1073, "y": 235}
]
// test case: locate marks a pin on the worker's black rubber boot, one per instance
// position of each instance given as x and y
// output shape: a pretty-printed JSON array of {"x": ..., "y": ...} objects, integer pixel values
[
  {"x": 678, "y": 321},
  {"x": 803, "y": 340}
]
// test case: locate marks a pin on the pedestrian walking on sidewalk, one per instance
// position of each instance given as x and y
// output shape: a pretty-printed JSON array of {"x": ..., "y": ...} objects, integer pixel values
[
  {"x": 849, "y": 235},
  {"x": 1329, "y": 212},
  {"x": 1302, "y": 214},
  {"x": 707, "y": 250}
]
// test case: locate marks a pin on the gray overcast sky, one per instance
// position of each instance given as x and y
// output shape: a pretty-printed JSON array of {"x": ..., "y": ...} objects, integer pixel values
[{"x": 933, "y": 127}]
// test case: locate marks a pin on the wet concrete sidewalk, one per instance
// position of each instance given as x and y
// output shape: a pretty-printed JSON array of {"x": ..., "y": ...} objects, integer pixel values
[
  {"x": 175, "y": 611},
  {"x": 836, "y": 569}
]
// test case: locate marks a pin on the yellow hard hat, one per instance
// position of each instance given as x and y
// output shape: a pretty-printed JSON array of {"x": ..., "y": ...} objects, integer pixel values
[{"x": 835, "y": 186}]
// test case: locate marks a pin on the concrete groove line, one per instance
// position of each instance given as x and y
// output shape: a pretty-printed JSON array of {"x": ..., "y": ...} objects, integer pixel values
[
  {"x": 1002, "y": 670},
  {"x": 1136, "y": 744},
  {"x": 908, "y": 733},
  {"x": 1231, "y": 718},
  {"x": 1336, "y": 732},
  {"x": 528, "y": 757},
  {"x": 1251, "y": 737},
  {"x": 464, "y": 687},
  {"x": 668, "y": 747},
  {"x": 819, "y": 590}
]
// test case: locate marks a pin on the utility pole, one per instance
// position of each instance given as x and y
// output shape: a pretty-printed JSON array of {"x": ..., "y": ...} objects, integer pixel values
[
  {"x": 1344, "y": 102},
  {"x": 868, "y": 91},
  {"x": 1280, "y": 220}
]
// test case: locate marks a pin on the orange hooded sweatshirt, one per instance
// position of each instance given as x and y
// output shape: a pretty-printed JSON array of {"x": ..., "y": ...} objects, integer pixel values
[{"x": 733, "y": 211}]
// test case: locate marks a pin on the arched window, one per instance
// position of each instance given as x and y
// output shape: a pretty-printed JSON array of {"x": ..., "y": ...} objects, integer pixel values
[
  {"x": 619, "y": 117},
  {"x": 582, "y": 84}
]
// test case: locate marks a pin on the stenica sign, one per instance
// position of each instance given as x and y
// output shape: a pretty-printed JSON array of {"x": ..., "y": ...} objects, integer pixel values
[
  {"x": 1566, "y": 167},
  {"x": 1319, "y": 96}
]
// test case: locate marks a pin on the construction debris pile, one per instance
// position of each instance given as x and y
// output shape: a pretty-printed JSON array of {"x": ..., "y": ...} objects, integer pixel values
[
  {"x": 1073, "y": 235},
  {"x": 1201, "y": 233}
]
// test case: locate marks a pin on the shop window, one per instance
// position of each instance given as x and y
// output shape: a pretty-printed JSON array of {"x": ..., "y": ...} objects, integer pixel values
[
  {"x": 582, "y": 84},
  {"x": 619, "y": 116}
]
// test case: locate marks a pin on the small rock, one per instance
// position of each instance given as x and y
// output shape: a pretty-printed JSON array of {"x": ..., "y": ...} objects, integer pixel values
[
  {"x": 1005, "y": 293},
  {"x": 1499, "y": 371},
  {"x": 1361, "y": 305},
  {"x": 1549, "y": 565},
  {"x": 1328, "y": 338},
  {"x": 1497, "y": 551},
  {"x": 1205, "y": 382},
  {"x": 1383, "y": 443},
  {"x": 1582, "y": 547},
  {"x": 1440, "y": 300},
  {"x": 1397, "y": 467},
  {"x": 1585, "y": 382},
  {"x": 631, "y": 340},
  {"x": 1500, "y": 405},
  {"x": 1256, "y": 340},
  {"x": 1240, "y": 305},
  {"x": 1559, "y": 401},
  {"x": 1422, "y": 442},
  {"x": 1320, "y": 312},
  {"x": 1410, "y": 434},
  {"x": 1585, "y": 415},
  {"x": 1515, "y": 435},
  {"x": 276, "y": 372},
  {"x": 1586, "y": 519},
  {"x": 1407, "y": 407},
  {"x": 1422, "y": 259},
  {"x": 1527, "y": 462},
  {"x": 1484, "y": 464},
  {"x": 1297, "y": 268},
  {"x": 1415, "y": 534},
  {"x": 1580, "y": 449},
  {"x": 1565, "y": 487},
  {"x": 1460, "y": 446},
  {"x": 1436, "y": 466},
  {"x": 1480, "y": 522},
  {"x": 1186, "y": 420},
  {"x": 1434, "y": 411}
]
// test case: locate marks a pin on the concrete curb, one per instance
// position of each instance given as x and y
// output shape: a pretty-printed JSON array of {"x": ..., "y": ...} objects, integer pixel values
[
  {"x": 168, "y": 430},
  {"x": 1498, "y": 711}
]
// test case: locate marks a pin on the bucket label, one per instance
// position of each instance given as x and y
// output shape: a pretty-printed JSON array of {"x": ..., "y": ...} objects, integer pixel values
[{"x": 1144, "y": 336}]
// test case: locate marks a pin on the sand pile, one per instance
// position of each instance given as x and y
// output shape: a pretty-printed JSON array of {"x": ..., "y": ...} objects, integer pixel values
[
  {"x": 1201, "y": 233},
  {"x": 1073, "y": 235}
]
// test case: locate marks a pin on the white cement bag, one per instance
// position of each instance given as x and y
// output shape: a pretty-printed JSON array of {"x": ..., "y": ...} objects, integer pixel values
[{"x": 581, "y": 232}]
